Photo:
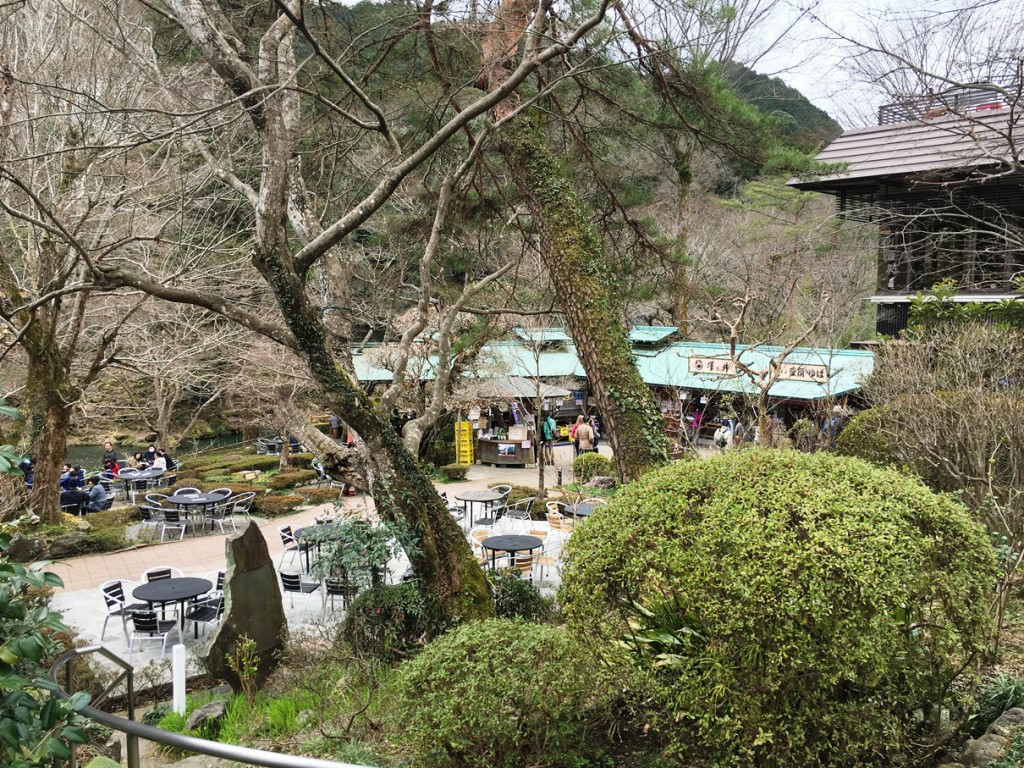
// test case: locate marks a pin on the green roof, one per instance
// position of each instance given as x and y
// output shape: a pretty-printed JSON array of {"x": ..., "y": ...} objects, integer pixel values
[
  {"x": 808, "y": 374},
  {"x": 650, "y": 334}
]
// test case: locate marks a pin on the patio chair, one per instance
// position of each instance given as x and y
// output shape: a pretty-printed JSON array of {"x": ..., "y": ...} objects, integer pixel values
[
  {"x": 146, "y": 626},
  {"x": 113, "y": 592},
  {"x": 523, "y": 562},
  {"x": 223, "y": 512},
  {"x": 521, "y": 510},
  {"x": 292, "y": 584},
  {"x": 292, "y": 545},
  {"x": 187, "y": 491},
  {"x": 158, "y": 572},
  {"x": 340, "y": 586},
  {"x": 222, "y": 492},
  {"x": 152, "y": 517},
  {"x": 594, "y": 500},
  {"x": 242, "y": 503},
  {"x": 173, "y": 521},
  {"x": 156, "y": 499},
  {"x": 209, "y": 611},
  {"x": 322, "y": 478}
]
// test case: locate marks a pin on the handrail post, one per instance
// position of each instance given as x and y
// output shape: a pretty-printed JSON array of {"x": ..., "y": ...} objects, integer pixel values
[
  {"x": 68, "y": 681},
  {"x": 133, "y": 740}
]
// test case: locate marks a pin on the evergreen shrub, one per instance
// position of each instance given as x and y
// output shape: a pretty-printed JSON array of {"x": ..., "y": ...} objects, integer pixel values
[
  {"x": 275, "y": 506},
  {"x": 453, "y": 473},
  {"x": 291, "y": 479},
  {"x": 588, "y": 465},
  {"x": 385, "y": 622},
  {"x": 516, "y": 598},
  {"x": 789, "y": 609},
  {"x": 500, "y": 694},
  {"x": 862, "y": 438}
]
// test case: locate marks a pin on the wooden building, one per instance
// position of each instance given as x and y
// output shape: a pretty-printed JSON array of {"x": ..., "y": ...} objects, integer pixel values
[{"x": 942, "y": 178}]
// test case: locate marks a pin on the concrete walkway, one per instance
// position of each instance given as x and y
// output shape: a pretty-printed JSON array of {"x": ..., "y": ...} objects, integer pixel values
[{"x": 82, "y": 606}]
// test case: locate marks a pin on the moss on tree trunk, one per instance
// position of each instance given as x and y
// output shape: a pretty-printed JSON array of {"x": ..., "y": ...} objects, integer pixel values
[{"x": 589, "y": 294}]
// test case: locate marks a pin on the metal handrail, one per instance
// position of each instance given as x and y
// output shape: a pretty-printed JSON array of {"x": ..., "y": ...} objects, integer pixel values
[{"x": 136, "y": 731}]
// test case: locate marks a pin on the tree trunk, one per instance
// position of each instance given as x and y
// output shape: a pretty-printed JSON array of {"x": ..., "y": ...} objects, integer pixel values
[
  {"x": 449, "y": 576},
  {"x": 49, "y": 414},
  {"x": 587, "y": 290}
]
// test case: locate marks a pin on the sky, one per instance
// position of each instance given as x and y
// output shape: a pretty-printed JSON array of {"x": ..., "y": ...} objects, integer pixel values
[{"x": 815, "y": 60}]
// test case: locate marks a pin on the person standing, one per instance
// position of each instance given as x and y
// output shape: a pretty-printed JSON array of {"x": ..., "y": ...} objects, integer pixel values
[
  {"x": 335, "y": 426},
  {"x": 584, "y": 435},
  {"x": 109, "y": 454},
  {"x": 548, "y": 430}
]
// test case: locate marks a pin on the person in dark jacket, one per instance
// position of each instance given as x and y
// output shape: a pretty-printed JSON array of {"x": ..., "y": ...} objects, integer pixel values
[
  {"x": 109, "y": 454},
  {"x": 97, "y": 496}
]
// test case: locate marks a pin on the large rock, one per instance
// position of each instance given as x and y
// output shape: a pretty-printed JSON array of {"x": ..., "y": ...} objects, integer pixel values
[
  {"x": 983, "y": 751},
  {"x": 67, "y": 545},
  {"x": 208, "y": 714},
  {"x": 25, "y": 549},
  {"x": 1009, "y": 723},
  {"x": 252, "y": 608}
]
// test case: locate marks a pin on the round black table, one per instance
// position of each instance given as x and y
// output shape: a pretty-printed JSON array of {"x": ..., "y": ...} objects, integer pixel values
[
  {"x": 585, "y": 510},
  {"x": 138, "y": 480},
  {"x": 510, "y": 544},
  {"x": 179, "y": 590},
  {"x": 203, "y": 501},
  {"x": 472, "y": 498}
]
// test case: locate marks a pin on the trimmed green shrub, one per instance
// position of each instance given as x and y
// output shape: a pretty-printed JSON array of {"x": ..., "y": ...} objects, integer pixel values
[
  {"x": 588, "y": 465},
  {"x": 275, "y": 506},
  {"x": 516, "y": 598},
  {"x": 454, "y": 472},
  {"x": 861, "y": 438},
  {"x": 290, "y": 479},
  {"x": 300, "y": 460},
  {"x": 789, "y": 609},
  {"x": 500, "y": 694},
  {"x": 318, "y": 495},
  {"x": 385, "y": 622}
]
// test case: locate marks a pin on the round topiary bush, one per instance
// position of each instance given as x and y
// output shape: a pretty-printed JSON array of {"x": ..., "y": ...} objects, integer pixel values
[
  {"x": 385, "y": 622},
  {"x": 500, "y": 693},
  {"x": 516, "y": 598},
  {"x": 790, "y": 609},
  {"x": 588, "y": 465}
]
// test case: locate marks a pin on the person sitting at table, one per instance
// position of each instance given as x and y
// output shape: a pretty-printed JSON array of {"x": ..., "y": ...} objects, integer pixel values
[
  {"x": 149, "y": 455},
  {"x": 97, "y": 496},
  {"x": 111, "y": 468},
  {"x": 159, "y": 461},
  {"x": 137, "y": 462},
  {"x": 73, "y": 500},
  {"x": 167, "y": 457},
  {"x": 65, "y": 478}
]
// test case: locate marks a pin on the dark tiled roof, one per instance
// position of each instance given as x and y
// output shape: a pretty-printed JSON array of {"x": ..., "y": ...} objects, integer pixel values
[{"x": 945, "y": 143}]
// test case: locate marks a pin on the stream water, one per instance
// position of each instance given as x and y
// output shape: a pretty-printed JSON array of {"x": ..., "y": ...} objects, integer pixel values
[{"x": 88, "y": 456}]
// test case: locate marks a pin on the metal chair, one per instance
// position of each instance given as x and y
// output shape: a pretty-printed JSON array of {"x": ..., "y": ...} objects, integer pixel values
[
  {"x": 242, "y": 503},
  {"x": 291, "y": 544},
  {"x": 322, "y": 478},
  {"x": 223, "y": 512},
  {"x": 113, "y": 592},
  {"x": 152, "y": 517},
  {"x": 209, "y": 611},
  {"x": 187, "y": 491},
  {"x": 340, "y": 586},
  {"x": 158, "y": 572},
  {"x": 146, "y": 626},
  {"x": 173, "y": 521},
  {"x": 292, "y": 584},
  {"x": 521, "y": 510}
]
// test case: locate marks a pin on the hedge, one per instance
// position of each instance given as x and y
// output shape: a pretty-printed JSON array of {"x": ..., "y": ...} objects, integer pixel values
[
  {"x": 790, "y": 609},
  {"x": 501, "y": 694}
]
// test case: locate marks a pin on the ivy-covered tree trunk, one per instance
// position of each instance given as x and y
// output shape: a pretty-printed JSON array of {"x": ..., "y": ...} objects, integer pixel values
[
  {"x": 448, "y": 574},
  {"x": 49, "y": 414},
  {"x": 589, "y": 294}
]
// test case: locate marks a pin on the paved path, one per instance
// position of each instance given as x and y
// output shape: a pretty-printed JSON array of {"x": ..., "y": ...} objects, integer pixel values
[{"x": 207, "y": 553}]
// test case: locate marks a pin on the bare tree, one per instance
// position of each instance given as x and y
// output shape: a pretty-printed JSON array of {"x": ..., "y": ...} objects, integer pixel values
[{"x": 265, "y": 86}]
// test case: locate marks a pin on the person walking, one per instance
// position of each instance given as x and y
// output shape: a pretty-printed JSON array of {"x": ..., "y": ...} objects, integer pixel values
[{"x": 584, "y": 435}]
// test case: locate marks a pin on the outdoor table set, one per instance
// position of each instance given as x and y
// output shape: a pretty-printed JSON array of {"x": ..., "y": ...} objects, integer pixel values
[
  {"x": 197, "y": 505},
  {"x": 472, "y": 498},
  {"x": 178, "y": 590}
]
